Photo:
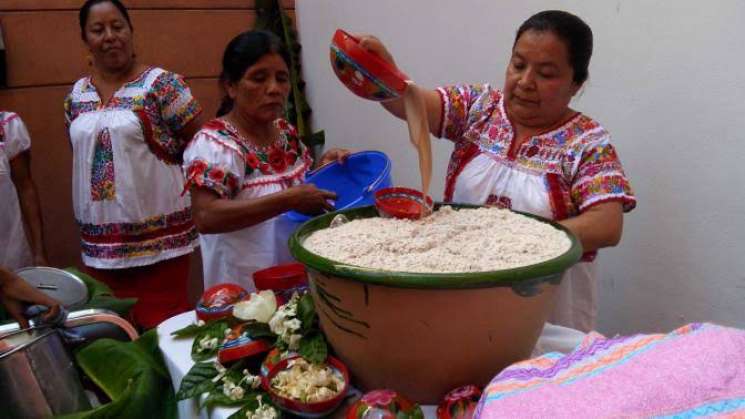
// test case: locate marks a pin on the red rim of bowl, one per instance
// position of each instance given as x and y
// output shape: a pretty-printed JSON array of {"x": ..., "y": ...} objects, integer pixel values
[
  {"x": 242, "y": 350},
  {"x": 280, "y": 277},
  {"x": 295, "y": 406},
  {"x": 396, "y": 210},
  {"x": 389, "y": 75}
]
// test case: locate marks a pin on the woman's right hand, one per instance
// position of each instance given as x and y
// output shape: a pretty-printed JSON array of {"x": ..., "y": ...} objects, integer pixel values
[
  {"x": 373, "y": 44},
  {"x": 308, "y": 199}
]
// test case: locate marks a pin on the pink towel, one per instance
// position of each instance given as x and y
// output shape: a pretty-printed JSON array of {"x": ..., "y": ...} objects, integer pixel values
[{"x": 695, "y": 371}]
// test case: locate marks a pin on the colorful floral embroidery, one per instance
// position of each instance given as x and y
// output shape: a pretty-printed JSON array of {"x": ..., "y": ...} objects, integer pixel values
[
  {"x": 102, "y": 169},
  {"x": 274, "y": 163},
  {"x": 161, "y": 96},
  {"x": 130, "y": 231},
  {"x": 139, "y": 249},
  {"x": 586, "y": 166},
  {"x": 218, "y": 179}
]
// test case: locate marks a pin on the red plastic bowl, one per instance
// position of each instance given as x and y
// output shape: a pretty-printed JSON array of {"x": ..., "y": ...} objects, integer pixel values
[
  {"x": 402, "y": 203},
  {"x": 281, "y": 277},
  {"x": 217, "y": 302},
  {"x": 309, "y": 410},
  {"x": 237, "y": 346},
  {"x": 363, "y": 72}
]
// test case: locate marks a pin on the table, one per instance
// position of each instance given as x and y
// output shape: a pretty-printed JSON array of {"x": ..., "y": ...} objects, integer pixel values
[{"x": 177, "y": 356}]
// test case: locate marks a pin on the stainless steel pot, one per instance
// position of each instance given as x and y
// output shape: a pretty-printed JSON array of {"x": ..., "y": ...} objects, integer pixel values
[{"x": 38, "y": 378}]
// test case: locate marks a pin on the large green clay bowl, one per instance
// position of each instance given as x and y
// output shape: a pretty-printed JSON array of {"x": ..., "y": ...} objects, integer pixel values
[{"x": 425, "y": 334}]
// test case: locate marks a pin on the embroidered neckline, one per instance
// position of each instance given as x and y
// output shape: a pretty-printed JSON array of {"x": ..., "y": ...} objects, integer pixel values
[
  {"x": 235, "y": 133},
  {"x": 92, "y": 87}
]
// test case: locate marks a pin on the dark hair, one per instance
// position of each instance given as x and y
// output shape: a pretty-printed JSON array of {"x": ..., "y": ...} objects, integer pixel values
[
  {"x": 85, "y": 10},
  {"x": 242, "y": 52},
  {"x": 569, "y": 28}
]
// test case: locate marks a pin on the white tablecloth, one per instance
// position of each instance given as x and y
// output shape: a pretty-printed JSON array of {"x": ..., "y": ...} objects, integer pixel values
[{"x": 177, "y": 355}]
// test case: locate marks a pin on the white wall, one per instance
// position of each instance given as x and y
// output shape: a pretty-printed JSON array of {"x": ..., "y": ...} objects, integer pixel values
[{"x": 667, "y": 79}]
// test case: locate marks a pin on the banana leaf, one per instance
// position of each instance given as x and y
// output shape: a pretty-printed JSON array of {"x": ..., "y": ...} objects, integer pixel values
[
  {"x": 101, "y": 296},
  {"x": 132, "y": 374}
]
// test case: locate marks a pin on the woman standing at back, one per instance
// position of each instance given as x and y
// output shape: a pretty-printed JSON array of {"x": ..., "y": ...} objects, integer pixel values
[{"x": 128, "y": 125}]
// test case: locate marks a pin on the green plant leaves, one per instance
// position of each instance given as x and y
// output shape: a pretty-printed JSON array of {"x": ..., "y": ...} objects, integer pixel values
[
  {"x": 132, "y": 374},
  {"x": 101, "y": 296},
  {"x": 197, "y": 381},
  {"x": 306, "y": 312},
  {"x": 215, "y": 330},
  {"x": 314, "y": 348}
]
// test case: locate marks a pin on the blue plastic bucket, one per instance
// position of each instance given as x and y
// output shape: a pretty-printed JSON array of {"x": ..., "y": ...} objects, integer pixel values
[{"x": 354, "y": 182}]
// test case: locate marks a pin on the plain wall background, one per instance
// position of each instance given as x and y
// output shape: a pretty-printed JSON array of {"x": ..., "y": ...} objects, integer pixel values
[{"x": 667, "y": 81}]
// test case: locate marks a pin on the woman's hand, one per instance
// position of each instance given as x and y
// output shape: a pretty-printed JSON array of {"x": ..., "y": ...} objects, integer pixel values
[
  {"x": 308, "y": 199},
  {"x": 373, "y": 44},
  {"x": 14, "y": 292},
  {"x": 334, "y": 155}
]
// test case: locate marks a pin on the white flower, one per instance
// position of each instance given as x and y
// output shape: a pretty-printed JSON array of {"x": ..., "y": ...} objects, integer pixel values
[
  {"x": 260, "y": 306},
  {"x": 307, "y": 382},
  {"x": 253, "y": 381},
  {"x": 264, "y": 411},
  {"x": 207, "y": 343},
  {"x": 200, "y": 323},
  {"x": 293, "y": 324},
  {"x": 293, "y": 342}
]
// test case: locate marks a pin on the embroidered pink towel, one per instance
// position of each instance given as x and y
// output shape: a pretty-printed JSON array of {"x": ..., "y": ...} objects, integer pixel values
[{"x": 695, "y": 371}]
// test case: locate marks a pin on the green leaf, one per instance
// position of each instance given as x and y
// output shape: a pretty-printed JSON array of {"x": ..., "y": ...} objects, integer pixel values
[
  {"x": 101, "y": 296},
  {"x": 133, "y": 376},
  {"x": 306, "y": 312},
  {"x": 188, "y": 331},
  {"x": 258, "y": 330},
  {"x": 252, "y": 403},
  {"x": 218, "y": 398},
  {"x": 211, "y": 330},
  {"x": 197, "y": 381},
  {"x": 314, "y": 348}
]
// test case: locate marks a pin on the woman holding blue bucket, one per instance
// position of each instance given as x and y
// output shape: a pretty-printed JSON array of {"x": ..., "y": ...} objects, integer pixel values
[{"x": 247, "y": 166}]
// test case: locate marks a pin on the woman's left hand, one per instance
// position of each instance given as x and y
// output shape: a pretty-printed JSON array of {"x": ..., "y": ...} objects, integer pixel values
[{"x": 335, "y": 154}]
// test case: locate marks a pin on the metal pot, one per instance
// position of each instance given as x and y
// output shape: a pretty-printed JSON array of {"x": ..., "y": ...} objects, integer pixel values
[{"x": 38, "y": 378}]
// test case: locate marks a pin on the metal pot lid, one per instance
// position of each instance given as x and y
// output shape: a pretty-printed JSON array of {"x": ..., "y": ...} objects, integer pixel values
[{"x": 56, "y": 283}]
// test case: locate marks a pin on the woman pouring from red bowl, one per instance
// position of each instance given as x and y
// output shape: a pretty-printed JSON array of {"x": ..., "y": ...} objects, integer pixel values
[
  {"x": 524, "y": 148},
  {"x": 247, "y": 166}
]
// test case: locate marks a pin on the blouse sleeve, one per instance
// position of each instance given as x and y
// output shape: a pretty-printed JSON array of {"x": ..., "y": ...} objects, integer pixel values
[
  {"x": 177, "y": 105},
  {"x": 68, "y": 110},
  {"x": 461, "y": 106},
  {"x": 16, "y": 139},
  {"x": 214, "y": 164},
  {"x": 599, "y": 176}
]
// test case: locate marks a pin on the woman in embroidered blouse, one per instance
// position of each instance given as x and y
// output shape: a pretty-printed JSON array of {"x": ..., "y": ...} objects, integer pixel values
[
  {"x": 20, "y": 213},
  {"x": 524, "y": 148},
  {"x": 128, "y": 125},
  {"x": 246, "y": 167}
]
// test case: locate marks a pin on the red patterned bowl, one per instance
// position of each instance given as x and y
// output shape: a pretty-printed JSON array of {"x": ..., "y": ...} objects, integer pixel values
[
  {"x": 459, "y": 403},
  {"x": 402, "y": 203},
  {"x": 217, "y": 302},
  {"x": 382, "y": 404},
  {"x": 363, "y": 72},
  {"x": 237, "y": 346},
  {"x": 307, "y": 410}
]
